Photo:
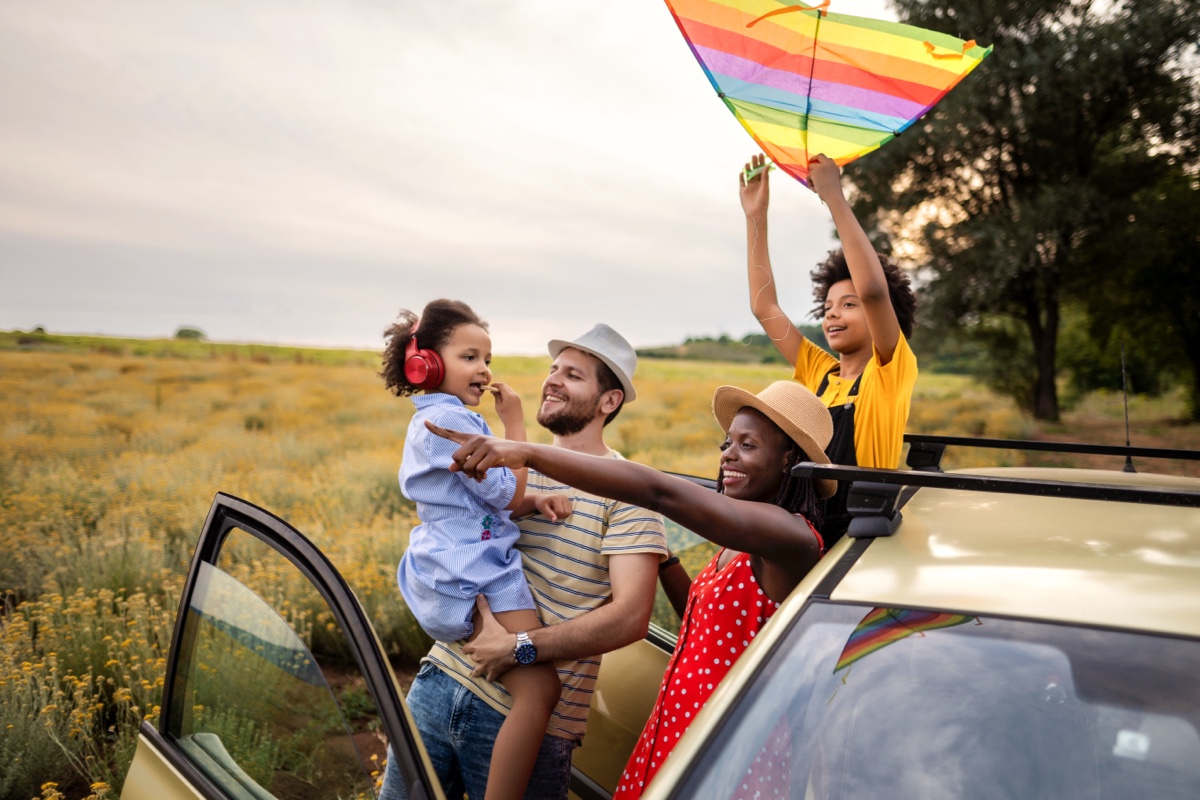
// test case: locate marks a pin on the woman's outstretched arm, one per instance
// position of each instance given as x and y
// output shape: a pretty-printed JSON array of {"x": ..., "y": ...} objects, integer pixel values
[{"x": 761, "y": 529}]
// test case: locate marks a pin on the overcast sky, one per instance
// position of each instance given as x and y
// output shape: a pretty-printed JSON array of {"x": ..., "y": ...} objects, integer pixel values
[{"x": 296, "y": 171}]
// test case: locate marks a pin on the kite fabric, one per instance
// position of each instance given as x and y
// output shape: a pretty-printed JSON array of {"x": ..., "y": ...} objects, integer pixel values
[
  {"x": 804, "y": 81},
  {"x": 884, "y": 626}
]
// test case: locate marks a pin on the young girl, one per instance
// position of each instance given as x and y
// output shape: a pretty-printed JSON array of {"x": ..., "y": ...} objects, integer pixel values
[
  {"x": 463, "y": 546},
  {"x": 866, "y": 308}
]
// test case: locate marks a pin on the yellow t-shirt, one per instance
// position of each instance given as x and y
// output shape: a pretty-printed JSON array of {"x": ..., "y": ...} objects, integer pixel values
[{"x": 881, "y": 408}]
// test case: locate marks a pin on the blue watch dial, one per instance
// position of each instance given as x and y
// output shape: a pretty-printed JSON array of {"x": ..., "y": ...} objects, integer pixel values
[{"x": 525, "y": 652}]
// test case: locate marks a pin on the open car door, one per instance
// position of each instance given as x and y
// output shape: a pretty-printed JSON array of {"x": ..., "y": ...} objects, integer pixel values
[{"x": 249, "y": 711}]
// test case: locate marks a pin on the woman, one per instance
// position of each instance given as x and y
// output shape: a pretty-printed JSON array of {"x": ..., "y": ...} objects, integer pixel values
[{"x": 762, "y": 516}]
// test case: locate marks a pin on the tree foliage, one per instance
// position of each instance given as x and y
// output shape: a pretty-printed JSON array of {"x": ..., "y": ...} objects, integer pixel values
[
  {"x": 1147, "y": 276},
  {"x": 1079, "y": 108}
]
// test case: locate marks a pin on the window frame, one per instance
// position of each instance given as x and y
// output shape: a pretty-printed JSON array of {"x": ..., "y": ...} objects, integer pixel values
[{"x": 226, "y": 514}]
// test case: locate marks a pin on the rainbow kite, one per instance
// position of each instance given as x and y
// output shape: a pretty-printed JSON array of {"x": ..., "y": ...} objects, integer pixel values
[
  {"x": 803, "y": 81},
  {"x": 884, "y": 626}
]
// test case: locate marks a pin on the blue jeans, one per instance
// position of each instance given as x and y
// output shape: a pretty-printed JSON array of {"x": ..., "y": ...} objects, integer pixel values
[{"x": 458, "y": 729}]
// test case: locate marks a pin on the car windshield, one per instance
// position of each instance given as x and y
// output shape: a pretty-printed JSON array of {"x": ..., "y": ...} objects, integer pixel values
[{"x": 860, "y": 702}]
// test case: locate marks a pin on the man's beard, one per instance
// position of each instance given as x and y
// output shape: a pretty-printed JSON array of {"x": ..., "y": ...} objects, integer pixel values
[{"x": 571, "y": 418}]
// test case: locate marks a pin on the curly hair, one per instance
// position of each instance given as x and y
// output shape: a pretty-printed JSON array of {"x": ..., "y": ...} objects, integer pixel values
[
  {"x": 437, "y": 323},
  {"x": 834, "y": 269}
]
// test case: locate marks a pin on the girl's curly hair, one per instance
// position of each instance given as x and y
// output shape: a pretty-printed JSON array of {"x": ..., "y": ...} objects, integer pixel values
[
  {"x": 438, "y": 320},
  {"x": 834, "y": 269}
]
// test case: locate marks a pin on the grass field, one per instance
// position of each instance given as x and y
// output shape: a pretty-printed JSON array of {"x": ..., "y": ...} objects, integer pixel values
[{"x": 111, "y": 452}]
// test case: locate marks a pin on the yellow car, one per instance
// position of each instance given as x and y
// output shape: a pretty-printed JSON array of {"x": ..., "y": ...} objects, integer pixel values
[{"x": 1009, "y": 633}]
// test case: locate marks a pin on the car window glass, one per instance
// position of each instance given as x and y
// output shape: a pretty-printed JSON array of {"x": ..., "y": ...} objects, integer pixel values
[
  {"x": 694, "y": 553},
  {"x": 858, "y": 702},
  {"x": 267, "y": 702}
]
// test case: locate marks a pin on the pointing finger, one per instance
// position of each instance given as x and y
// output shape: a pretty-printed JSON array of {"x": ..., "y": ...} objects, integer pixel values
[{"x": 458, "y": 437}]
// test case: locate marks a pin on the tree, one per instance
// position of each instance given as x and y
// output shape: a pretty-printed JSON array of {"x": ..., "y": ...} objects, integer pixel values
[
  {"x": 186, "y": 332},
  {"x": 1001, "y": 183},
  {"x": 1147, "y": 274}
]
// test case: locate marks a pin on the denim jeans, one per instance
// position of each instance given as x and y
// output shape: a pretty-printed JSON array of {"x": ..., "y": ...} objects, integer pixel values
[{"x": 458, "y": 729}]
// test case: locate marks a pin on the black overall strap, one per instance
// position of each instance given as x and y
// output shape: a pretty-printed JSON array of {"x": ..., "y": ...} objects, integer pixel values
[
  {"x": 825, "y": 382},
  {"x": 840, "y": 451}
]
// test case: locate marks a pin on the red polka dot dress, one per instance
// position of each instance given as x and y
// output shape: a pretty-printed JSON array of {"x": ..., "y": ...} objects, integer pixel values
[{"x": 726, "y": 608}]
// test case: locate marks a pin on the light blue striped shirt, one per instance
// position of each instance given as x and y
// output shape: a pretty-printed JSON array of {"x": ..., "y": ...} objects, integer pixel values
[{"x": 464, "y": 544}]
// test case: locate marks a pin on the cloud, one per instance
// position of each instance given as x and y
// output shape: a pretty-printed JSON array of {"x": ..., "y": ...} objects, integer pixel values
[{"x": 321, "y": 164}]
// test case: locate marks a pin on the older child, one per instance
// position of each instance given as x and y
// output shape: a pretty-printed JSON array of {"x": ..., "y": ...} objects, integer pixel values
[
  {"x": 463, "y": 547},
  {"x": 866, "y": 308}
]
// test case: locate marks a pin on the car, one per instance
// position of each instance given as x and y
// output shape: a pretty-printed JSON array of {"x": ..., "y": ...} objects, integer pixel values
[{"x": 1008, "y": 632}]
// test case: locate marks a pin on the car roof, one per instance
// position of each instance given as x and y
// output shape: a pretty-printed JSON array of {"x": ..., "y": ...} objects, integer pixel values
[{"x": 1092, "y": 562}]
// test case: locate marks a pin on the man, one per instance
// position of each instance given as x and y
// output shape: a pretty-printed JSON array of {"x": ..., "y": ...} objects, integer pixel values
[{"x": 593, "y": 576}]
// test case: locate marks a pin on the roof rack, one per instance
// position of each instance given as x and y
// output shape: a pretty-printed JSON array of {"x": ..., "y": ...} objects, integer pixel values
[
  {"x": 876, "y": 495},
  {"x": 925, "y": 451}
]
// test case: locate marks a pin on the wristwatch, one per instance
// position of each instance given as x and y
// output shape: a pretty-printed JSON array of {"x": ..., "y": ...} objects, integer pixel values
[{"x": 525, "y": 653}]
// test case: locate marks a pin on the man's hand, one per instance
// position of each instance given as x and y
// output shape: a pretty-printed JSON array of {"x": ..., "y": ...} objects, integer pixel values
[
  {"x": 554, "y": 506},
  {"x": 492, "y": 648},
  {"x": 825, "y": 178},
  {"x": 756, "y": 192},
  {"x": 479, "y": 453}
]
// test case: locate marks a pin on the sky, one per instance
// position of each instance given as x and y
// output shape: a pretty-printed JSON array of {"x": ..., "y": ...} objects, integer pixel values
[{"x": 298, "y": 171}]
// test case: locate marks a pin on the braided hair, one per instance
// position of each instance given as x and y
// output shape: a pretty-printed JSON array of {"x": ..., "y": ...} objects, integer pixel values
[{"x": 796, "y": 495}]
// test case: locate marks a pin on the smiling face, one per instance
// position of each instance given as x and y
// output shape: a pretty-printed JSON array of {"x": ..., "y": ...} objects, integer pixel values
[
  {"x": 571, "y": 394},
  {"x": 844, "y": 323},
  {"x": 754, "y": 457},
  {"x": 466, "y": 355}
]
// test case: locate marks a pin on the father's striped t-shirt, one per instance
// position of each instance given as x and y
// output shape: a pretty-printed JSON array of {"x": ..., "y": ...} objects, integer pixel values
[{"x": 566, "y": 563}]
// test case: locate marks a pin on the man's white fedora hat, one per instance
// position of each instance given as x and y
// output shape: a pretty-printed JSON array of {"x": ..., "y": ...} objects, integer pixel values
[{"x": 611, "y": 348}]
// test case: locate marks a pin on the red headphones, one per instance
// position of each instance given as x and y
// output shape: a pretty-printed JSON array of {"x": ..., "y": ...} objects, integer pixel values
[{"x": 422, "y": 368}]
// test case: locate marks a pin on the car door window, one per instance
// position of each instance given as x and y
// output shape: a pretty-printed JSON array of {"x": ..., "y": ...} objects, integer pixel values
[
  {"x": 694, "y": 553},
  {"x": 258, "y": 714},
  {"x": 276, "y": 685}
]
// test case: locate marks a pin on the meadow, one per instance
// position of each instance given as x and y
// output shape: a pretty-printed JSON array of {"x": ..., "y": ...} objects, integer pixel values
[{"x": 111, "y": 452}]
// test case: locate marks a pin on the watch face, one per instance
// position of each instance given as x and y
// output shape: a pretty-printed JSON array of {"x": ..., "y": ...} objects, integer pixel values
[{"x": 526, "y": 654}]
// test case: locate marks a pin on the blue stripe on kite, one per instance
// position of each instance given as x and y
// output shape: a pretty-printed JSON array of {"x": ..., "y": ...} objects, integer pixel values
[
  {"x": 816, "y": 108},
  {"x": 865, "y": 101}
]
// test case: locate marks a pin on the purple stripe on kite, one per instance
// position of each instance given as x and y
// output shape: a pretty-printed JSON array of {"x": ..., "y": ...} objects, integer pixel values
[
  {"x": 853, "y": 97},
  {"x": 742, "y": 69},
  {"x": 865, "y": 99}
]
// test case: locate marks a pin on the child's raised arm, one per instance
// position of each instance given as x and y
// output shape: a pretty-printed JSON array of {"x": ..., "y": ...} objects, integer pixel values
[
  {"x": 866, "y": 273},
  {"x": 764, "y": 300},
  {"x": 512, "y": 417}
]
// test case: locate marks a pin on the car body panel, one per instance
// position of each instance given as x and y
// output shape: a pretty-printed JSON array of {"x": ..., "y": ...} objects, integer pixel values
[
  {"x": 1086, "y": 561},
  {"x": 153, "y": 777},
  {"x": 1075, "y": 561},
  {"x": 626, "y": 689}
]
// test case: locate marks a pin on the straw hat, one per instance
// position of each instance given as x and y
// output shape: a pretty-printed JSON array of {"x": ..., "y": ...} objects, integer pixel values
[
  {"x": 796, "y": 411},
  {"x": 611, "y": 348}
]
